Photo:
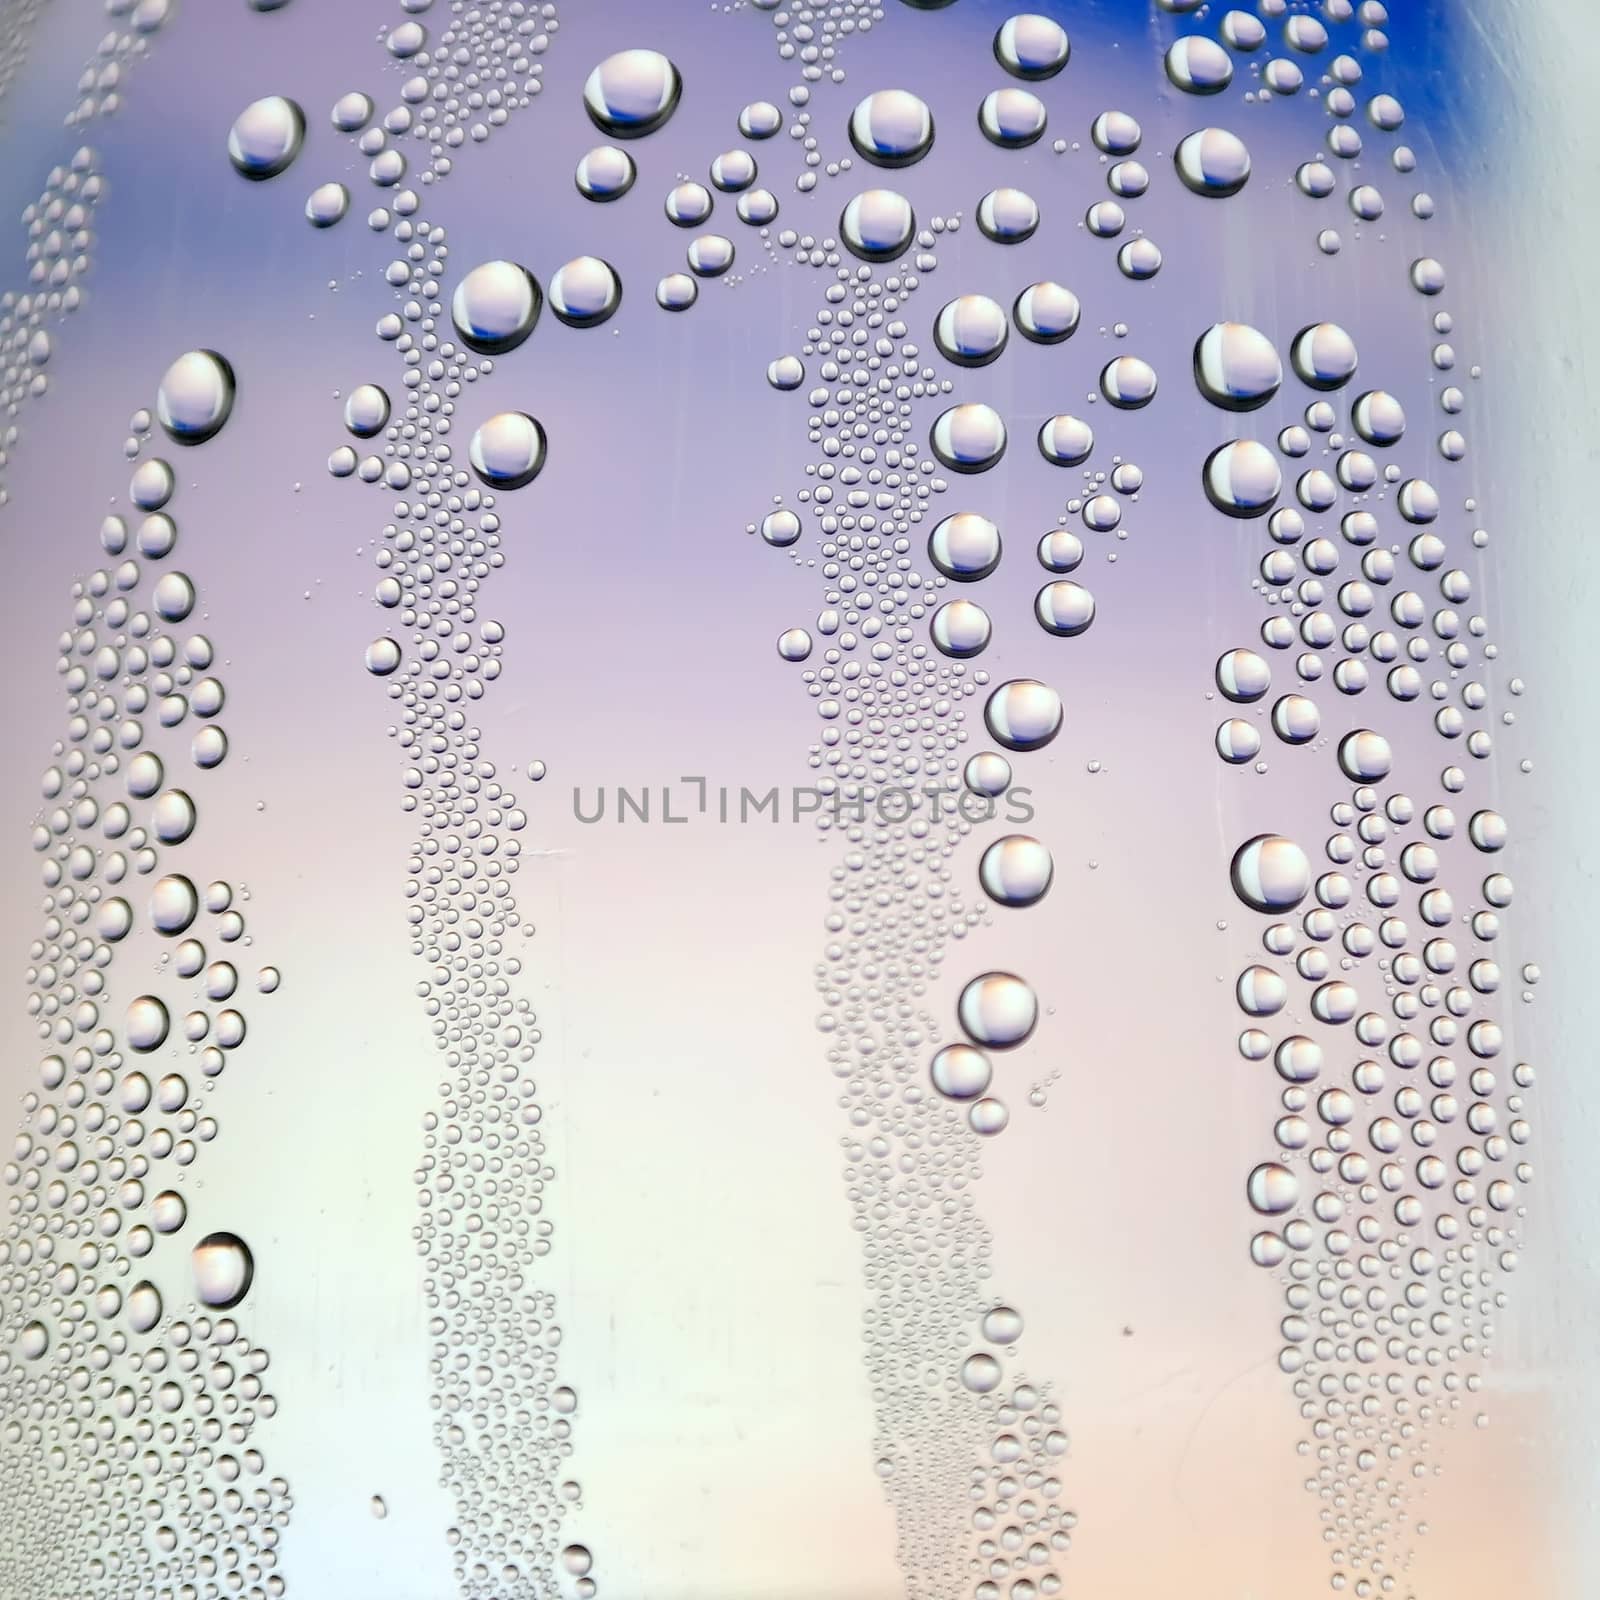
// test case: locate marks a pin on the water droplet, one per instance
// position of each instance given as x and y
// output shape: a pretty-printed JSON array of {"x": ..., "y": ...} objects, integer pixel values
[
  {"x": 1242, "y": 675},
  {"x": 1060, "y": 550},
  {"x": 997, "y": 1010},
  {"x": 1008, "y": 216},
  {"x": 760, "y": 120},
  {"x": 1270, "y": 873},
  {"x": 1236, "y": 366},
  {"x": 988, "y": 1117},
  {"x": 383, "y": 657},
  {"x": 971, "y": 331},
  {"x": 143, "y": 1304},
  {"x": 960, "y": 1072},
  {"x": 1115, "y": 133},
  {"x": 960, "y": 628},
  {"x": 495, "y": 307},
  {"x": 585, "y": 292},
  {"x": 366, "y": 411},
  {"x": 195, "y": 397},
  {"x": 1323, "y": 356},
  {"x": 787, "y": 372},
  {"x": 605, "y": 173},
  {"x": 1023, "y": 714},
  {"x": 677, "y": 292},
  {"x": 965, "y": 546},
  {"x": 878, "y": 225},
  {"x": 968, "y": 438},
  {"x": 1046, "y": 313},
  {"x": 174, "y": 904},
  {"x": 508, "y": 450},
  {"x": 780, "y": 528},
  {"x": 223, "y": 1268},
  {"x": 1016, "y": 870},
  {"x": 1128, "y": 383},
  {"x": 891, "y": 128},
  {"x": 147, "y": 1023},
  {"x": 632, "y": 93},
  {"x": 688, "y": 204},
  {"x": 266, "y": 137},
  {"x": 1272, "y": 1189},
  {"x": 981, "y": 1373},
  {"x": 327, "y": 204},
  {"x": 1212, "y": 162},
  {"x": 1064, "y": 441},
  {"x": 988, "y": 773},
  {"x": 1198, "y": 65},
  {"x": 351, "y": 112},
  {"x": 1064, "y": 608},
  {"x": 1032, "y": 46},
  {"x": 710, "y": 255},
  {"x": 1012, "y": 118},
  {"x": 1242, "y": 478}
]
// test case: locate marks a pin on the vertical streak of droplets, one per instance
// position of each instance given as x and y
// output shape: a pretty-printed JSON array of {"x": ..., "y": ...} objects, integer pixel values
[
  {"x": 502, "y": 1423},
  {"x": 129, "y": 1462}
]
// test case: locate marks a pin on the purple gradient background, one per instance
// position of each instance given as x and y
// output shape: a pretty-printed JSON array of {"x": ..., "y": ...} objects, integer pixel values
[{"x": 709, "y": 1278}]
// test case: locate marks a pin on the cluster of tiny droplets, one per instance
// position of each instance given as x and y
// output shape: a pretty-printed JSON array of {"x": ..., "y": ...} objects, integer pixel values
[
  {"x": 16, "y": 39},
  {"x": 966, "y": 1452},
  {"x": 1393, "y": 1202},
  {"x": 503, "y": 1424},
  {"x": 60, "y": 240},
  {"x": 59, "y": 246},
  {"x": 956, "y": 1450},
  {"x": 126, "y": 1452},
  {"x": 100, "y": 86}
]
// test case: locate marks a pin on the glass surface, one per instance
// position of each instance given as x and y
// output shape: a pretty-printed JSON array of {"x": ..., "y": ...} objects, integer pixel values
[{"x": 816, "y": 800}]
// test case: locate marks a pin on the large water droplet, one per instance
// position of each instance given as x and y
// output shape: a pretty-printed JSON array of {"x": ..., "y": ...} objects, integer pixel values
[
  {"x": 960, "y": 628},
  {"x": 496, "y": 306},
  {"x": 585, "y": 292},
  {"x": 223, "y": 1268},
  {"x": 1064, "y": 608},
  {"x": 1212, "y": 162},
  {"x": 891, "y": 128},
  {"x": 960, "y": 1072},
  {"x": 1016, "y": 870},
  {"x": 1012, "y": 118},
  {"x": 1032, "y": 46},
  {"x": 877, "y": 225},
  {"x": 1023, "y": 714},
  {"x": 1323, "y": 355},
  {"x": 195, "y": 397},
  {"x": 997, "y": 1010},
  {"x": 266, "y": 137},
  {"x": 969, "y": 438},
  {"x": 1046, "y": 312},
  {"x": 1270, "y": 873},
  {"x": 606, "y": 173},
  {"x": 971, "y": 331},
  {"x": 1236, "y": 366},
  {"x": 1064, "y": 441},
  {"x": 1242, "y": 478},
  {"x": 508, "y": 450},
  {"x": 1272, "y": 1189},
  {"x": 1198, "y": 65},
  {"x": 632, "y": 93},
  {"x": 965, "y": 546}
]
